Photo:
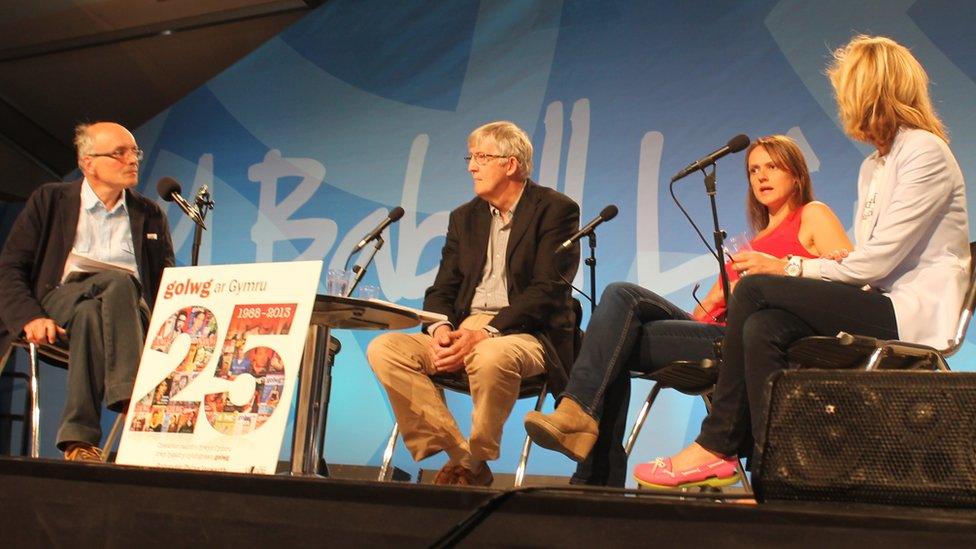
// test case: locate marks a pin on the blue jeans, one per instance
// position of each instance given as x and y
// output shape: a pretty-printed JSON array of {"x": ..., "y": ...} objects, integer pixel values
[{"x": 632, "y": 329}]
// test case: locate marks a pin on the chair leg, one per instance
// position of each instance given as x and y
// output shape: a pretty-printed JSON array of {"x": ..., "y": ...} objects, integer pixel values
[
  {"x": 875, "y": 359},
  {"x": 26, "y": 413},
  {"x": 527, "y": 444},
  {"x": 113, "y": 436},
  {"x": 641, "y": 418},
  {"x": 35, "y": 416},
  {"x": 388, "y": 453},
  {"x": 742, "y": 476}
]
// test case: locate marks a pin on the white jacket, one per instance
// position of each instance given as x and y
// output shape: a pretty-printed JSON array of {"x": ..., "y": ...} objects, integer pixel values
[{"x": 917, "y": 249}]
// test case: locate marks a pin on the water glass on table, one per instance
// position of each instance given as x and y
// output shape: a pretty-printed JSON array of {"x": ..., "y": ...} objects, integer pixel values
[
  {"x": 338, "y": 281},
  {"x": 369, "y": 291}
]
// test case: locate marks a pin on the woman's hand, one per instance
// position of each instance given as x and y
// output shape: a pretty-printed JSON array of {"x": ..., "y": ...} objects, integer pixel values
[
  {"x": 753, "y": 262},
  {"x": 836, "y": 255}
]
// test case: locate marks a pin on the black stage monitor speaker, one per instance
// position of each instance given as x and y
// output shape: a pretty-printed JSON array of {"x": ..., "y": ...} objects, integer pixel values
[{"x": 891, "y": 437}]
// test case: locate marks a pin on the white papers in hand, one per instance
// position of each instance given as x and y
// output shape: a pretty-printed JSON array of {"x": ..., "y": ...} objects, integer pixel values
[
  {"x": 424, "y": 316},
  {"x": 79, "y": 263}
]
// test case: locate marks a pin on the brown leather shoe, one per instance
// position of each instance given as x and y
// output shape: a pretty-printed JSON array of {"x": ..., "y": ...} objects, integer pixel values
[
  {"x": 466, "y": 477},
  {"x": 82, "y": 451},
  {"x": 447, "y": 475},
  {"x": 568, "y": 430}
]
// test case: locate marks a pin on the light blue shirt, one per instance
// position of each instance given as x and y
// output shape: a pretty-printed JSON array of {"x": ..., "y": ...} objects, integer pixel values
[{"x": 103, "y": 234}]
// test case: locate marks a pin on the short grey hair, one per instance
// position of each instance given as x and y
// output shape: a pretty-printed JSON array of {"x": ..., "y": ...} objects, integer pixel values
[
  {"x": 511, "y": 141},
  {"x": 84, "y": 142}
]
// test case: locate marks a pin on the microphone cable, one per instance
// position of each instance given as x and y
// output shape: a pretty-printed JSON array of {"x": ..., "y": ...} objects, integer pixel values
[
  {"x": 570, "y": 284},
  {"x": 690, "y": 220}
]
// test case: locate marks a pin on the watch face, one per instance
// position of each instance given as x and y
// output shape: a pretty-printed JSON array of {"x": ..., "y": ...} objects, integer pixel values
[{"x": 793, "y": 268}]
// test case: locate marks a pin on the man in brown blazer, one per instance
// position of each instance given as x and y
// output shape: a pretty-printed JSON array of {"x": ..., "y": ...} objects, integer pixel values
[
  {"x": 101, "y": 316},
  {"x": 510, "y": 316}
]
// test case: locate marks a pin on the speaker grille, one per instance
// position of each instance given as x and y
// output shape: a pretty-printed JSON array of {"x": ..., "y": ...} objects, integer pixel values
[{"x": 901, "y": 438}]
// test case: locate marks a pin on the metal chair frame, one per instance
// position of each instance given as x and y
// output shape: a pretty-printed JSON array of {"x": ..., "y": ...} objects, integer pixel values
[
  {"x": 58, "y": 357},
  {"x": 24, "y": 414},
  {"x": 850, "y": 351},
  {"x": 527, "y": 390}
]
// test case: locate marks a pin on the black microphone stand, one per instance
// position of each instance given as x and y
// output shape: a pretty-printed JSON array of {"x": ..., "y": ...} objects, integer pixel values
[
  {"x": 591, "y": 263},
  {"x": 326, "y": 373},
  {"x": 718, "y": 234},
  {"x": 360, "y": 270},
  {"x": 203, "y": 205}
]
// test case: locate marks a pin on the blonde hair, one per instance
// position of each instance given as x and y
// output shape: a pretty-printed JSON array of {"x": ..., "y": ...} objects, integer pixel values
[
  {"x": 786, "y": 154},
  {"x": 511, "y": 140},
  {"x": 879, "y": 87}
]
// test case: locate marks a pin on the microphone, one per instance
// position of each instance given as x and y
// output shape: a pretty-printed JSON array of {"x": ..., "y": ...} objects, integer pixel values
[
  {"x": 734, "y": 145},
  {"x": 203, "y": 196},
  {"x": 169, "y": 189},
  {"x": 395, "y": 215},
  {"x": 607, "y": 214}
]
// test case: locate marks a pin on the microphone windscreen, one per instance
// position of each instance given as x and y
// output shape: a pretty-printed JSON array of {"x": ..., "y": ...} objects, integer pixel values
[
  {"x": 396, "y": 214},
  {"x": 609, "y": 212},
  {"x": 167, "y": 186},
  {"x": 738, "y": 143}
]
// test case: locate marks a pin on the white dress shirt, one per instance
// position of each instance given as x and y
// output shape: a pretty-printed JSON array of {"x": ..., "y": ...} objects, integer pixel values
[{"x": 103, "y": 234}]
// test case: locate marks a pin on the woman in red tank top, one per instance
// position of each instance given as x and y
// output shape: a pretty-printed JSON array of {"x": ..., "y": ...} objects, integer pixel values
[
  {"x": 783, "y": 214},
  {"x": 635, "y": 329}
]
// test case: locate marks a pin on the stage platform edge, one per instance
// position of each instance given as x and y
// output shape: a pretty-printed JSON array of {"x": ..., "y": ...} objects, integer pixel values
[{"x": 47, "y": 503}]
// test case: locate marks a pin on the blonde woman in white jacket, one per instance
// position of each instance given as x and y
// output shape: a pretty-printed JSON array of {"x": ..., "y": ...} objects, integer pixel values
[{"x": 905, "y": 279}]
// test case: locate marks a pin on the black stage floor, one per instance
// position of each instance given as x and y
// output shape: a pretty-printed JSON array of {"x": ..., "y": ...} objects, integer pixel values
[{"x": 56, "y": 504}]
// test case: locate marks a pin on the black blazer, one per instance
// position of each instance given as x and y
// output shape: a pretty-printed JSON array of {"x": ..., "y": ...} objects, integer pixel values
[
  {"x": 41, "y": 238},
  {"x": 539, "y": 302}
]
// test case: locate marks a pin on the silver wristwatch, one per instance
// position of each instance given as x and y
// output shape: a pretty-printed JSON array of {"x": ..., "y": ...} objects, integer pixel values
[{"x": 794, "y": 265}]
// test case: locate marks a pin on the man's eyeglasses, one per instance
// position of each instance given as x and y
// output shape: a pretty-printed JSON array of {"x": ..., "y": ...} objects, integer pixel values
[
  {"x": 482, "y": 158},
  {"x": 121, "y": 153}
]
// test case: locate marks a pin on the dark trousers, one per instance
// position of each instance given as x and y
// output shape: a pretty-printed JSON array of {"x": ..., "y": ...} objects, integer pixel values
[
  {"x": 768, "y": 313},
  {"x": 632, "y": 329},
  {"x": 106, "y": 318}
]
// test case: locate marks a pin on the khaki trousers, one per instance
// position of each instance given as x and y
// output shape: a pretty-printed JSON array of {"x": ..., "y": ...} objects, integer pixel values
[{"x": 495, "y": 367}]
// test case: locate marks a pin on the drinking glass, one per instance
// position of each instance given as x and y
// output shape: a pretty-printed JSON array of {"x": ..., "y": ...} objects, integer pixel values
[
  {"x": 369, "y": 291},
  {"x": 737, "y": 243},
  {"x": 338, "y": 281}
]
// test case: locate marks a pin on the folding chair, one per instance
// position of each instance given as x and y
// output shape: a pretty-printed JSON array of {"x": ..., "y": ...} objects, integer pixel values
[
  {"x": 56, "y": 356},
  {"x": 847, "y": 351},
  {"x": 531, "y": 387}
]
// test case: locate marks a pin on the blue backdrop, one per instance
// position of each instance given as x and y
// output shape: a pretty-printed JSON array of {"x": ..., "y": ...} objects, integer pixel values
[{"x": 361, "y": 106}]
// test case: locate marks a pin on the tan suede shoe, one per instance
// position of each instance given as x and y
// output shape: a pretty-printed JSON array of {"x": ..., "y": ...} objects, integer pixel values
[{"x": 568, "y": 430}]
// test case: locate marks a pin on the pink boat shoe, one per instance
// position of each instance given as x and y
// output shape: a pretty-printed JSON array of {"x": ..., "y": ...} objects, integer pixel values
[{"x": 660, "y": 474}]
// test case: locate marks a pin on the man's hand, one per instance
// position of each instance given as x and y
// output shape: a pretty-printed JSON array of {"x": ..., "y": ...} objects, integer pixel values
[
  {"x": 441, "y": 340},
  {"x": 43, "y": 330},
  {"x": 450, "y": 358},
  {"x": 441, "y": 337}
]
